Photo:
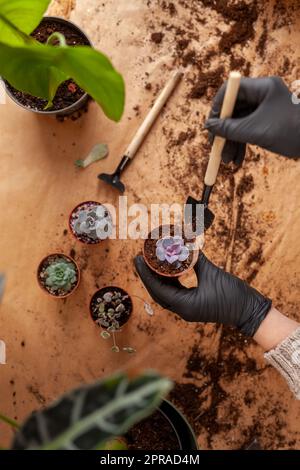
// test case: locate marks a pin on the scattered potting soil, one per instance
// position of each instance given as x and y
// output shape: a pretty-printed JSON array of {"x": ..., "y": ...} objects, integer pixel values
[
  {"x": 68, "y": 92},
  {"x": 157, "y": 37},
  {"x": 261, "y": 46},
  {"x": 201, "y": 403},
  {"x": 163, "y": 267},
  {"x": 42, "y": 276},
  {"x": 246, "y": 185},
  {"x": 211, "y": 79},
  {"x": 126, "y": 301},
  {"x": 154, "y": 433},
  {"x": 82, "y": 237},
  {"x": 242, "y": 14}
]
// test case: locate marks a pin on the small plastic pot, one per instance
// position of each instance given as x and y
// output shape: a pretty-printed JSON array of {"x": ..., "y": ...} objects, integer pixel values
[
  {"x": 79, "y": 104},
  {"x": 62, "y": 255},
  {"x": 73, "y": 231},
  {"x": 182, "y": 428},
  {"x": 195, "y": 256},
  {"x": 103, "y": 290}
]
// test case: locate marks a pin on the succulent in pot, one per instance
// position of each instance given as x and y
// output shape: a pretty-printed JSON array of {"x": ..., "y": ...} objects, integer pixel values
[
  {"x": 110, "y": 308},
  {"x": 58, "y": 275},
  {"x": 90, "y": 222},
  {"x": 173, "y": 250},
  {"x": 48, "y": 63},
  {"x": 168, "y": 252}
]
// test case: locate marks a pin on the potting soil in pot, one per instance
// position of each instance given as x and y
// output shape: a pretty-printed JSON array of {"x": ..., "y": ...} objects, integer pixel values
[
  {"x": 154, "y": 433},
  {"x": 68, "y": 92}
]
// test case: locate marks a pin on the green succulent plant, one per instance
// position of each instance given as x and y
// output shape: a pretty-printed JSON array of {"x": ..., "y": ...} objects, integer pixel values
[{"x": 61, "y": 275}]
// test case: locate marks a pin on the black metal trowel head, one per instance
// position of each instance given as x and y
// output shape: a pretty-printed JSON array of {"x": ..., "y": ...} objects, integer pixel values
[{"x": 191, "y": 209}]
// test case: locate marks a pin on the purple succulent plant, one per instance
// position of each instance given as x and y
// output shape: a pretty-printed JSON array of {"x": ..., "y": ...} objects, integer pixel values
[{"x": 172, "y": 249}]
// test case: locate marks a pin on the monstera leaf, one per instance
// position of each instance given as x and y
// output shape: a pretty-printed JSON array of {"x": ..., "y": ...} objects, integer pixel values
[
  {"x": 38, "y": 69},
  {"x": 90, "y": 416}
]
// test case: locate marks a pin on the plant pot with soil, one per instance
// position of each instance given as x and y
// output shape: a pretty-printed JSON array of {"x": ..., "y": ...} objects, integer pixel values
[
  {"x": 49, "y": 66},
  {"x": 111, "y": 308},
  {"x": 124, "y": 399},
  {"x": 90, "y": 222},
  {"x": 169, "y": 254},
  {"x": 165, "y": 430},
  {"x": 58, "y": 275}
]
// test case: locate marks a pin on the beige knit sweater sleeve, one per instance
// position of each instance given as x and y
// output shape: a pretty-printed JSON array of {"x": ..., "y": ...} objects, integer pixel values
[{"x": 286, "y": 359}]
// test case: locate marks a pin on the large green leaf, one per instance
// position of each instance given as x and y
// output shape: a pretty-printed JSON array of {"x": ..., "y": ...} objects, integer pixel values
[
  {"x": 25, "y": 15},
  {"x": 93, "y": 71},
  {"x": 31, "y": 70},
  {"x": 89, "y": 416},
  {"x": 35, "y": 68}
]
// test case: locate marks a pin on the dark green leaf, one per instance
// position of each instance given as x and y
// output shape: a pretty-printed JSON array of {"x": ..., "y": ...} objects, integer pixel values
[
  {"x": 89, "y": 416},
  {"x": 39, "y": 69}
]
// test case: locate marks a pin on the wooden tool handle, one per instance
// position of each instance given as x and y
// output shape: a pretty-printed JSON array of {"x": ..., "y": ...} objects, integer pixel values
[
  {"x": 230, "y": 97},
  {"x": 152, "y": 115}
]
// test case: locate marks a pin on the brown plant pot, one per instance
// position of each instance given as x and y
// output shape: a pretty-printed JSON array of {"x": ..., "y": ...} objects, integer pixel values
[
  {"x": 102, "y": 291},
  {"x": 71, "y": 217},
  {"x": 41, "y": 265},
  {"x": 158, "y": 267},
  {"x": 76, "y": 105}
]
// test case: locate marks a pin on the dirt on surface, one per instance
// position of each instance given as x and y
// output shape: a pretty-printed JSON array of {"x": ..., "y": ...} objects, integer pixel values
[{"x": 223, "y": 384}]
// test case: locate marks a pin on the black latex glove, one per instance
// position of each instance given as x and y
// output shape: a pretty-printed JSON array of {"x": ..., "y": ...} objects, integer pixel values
[
  {"x": 220, "y": 297},
  {"x": 264, "y": 115}
]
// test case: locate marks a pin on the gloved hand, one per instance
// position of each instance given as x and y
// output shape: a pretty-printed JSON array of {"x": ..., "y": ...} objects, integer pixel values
[
  {"x": 264, "y": 115},
  {"x": 220, "y": 297}
]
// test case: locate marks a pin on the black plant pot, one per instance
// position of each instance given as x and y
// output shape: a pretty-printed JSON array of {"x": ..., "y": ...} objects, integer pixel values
[
  {"x": 182, "y": 428},
  {"x": 79, "y": 104}
]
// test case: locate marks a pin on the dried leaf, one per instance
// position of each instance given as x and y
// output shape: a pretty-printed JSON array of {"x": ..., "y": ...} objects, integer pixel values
[
  {"x": 97, "y": 153},
  {"x": 148, "y": 309}
]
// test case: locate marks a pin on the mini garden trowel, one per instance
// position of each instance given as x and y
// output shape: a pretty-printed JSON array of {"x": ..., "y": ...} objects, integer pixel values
[
  {"x": 213, "y": 166},
  {"x": 115, "y": 179}
]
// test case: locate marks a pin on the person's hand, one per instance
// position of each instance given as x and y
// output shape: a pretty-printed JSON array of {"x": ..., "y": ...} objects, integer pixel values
[
  {"x": 264, "y": 115},
  {"x": 220, "y": 297}
]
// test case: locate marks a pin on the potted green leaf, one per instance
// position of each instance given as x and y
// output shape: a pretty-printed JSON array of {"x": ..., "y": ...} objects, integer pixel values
[
  {"x": 49, "y": 66},
  {"x": 93, "y": 417}
]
